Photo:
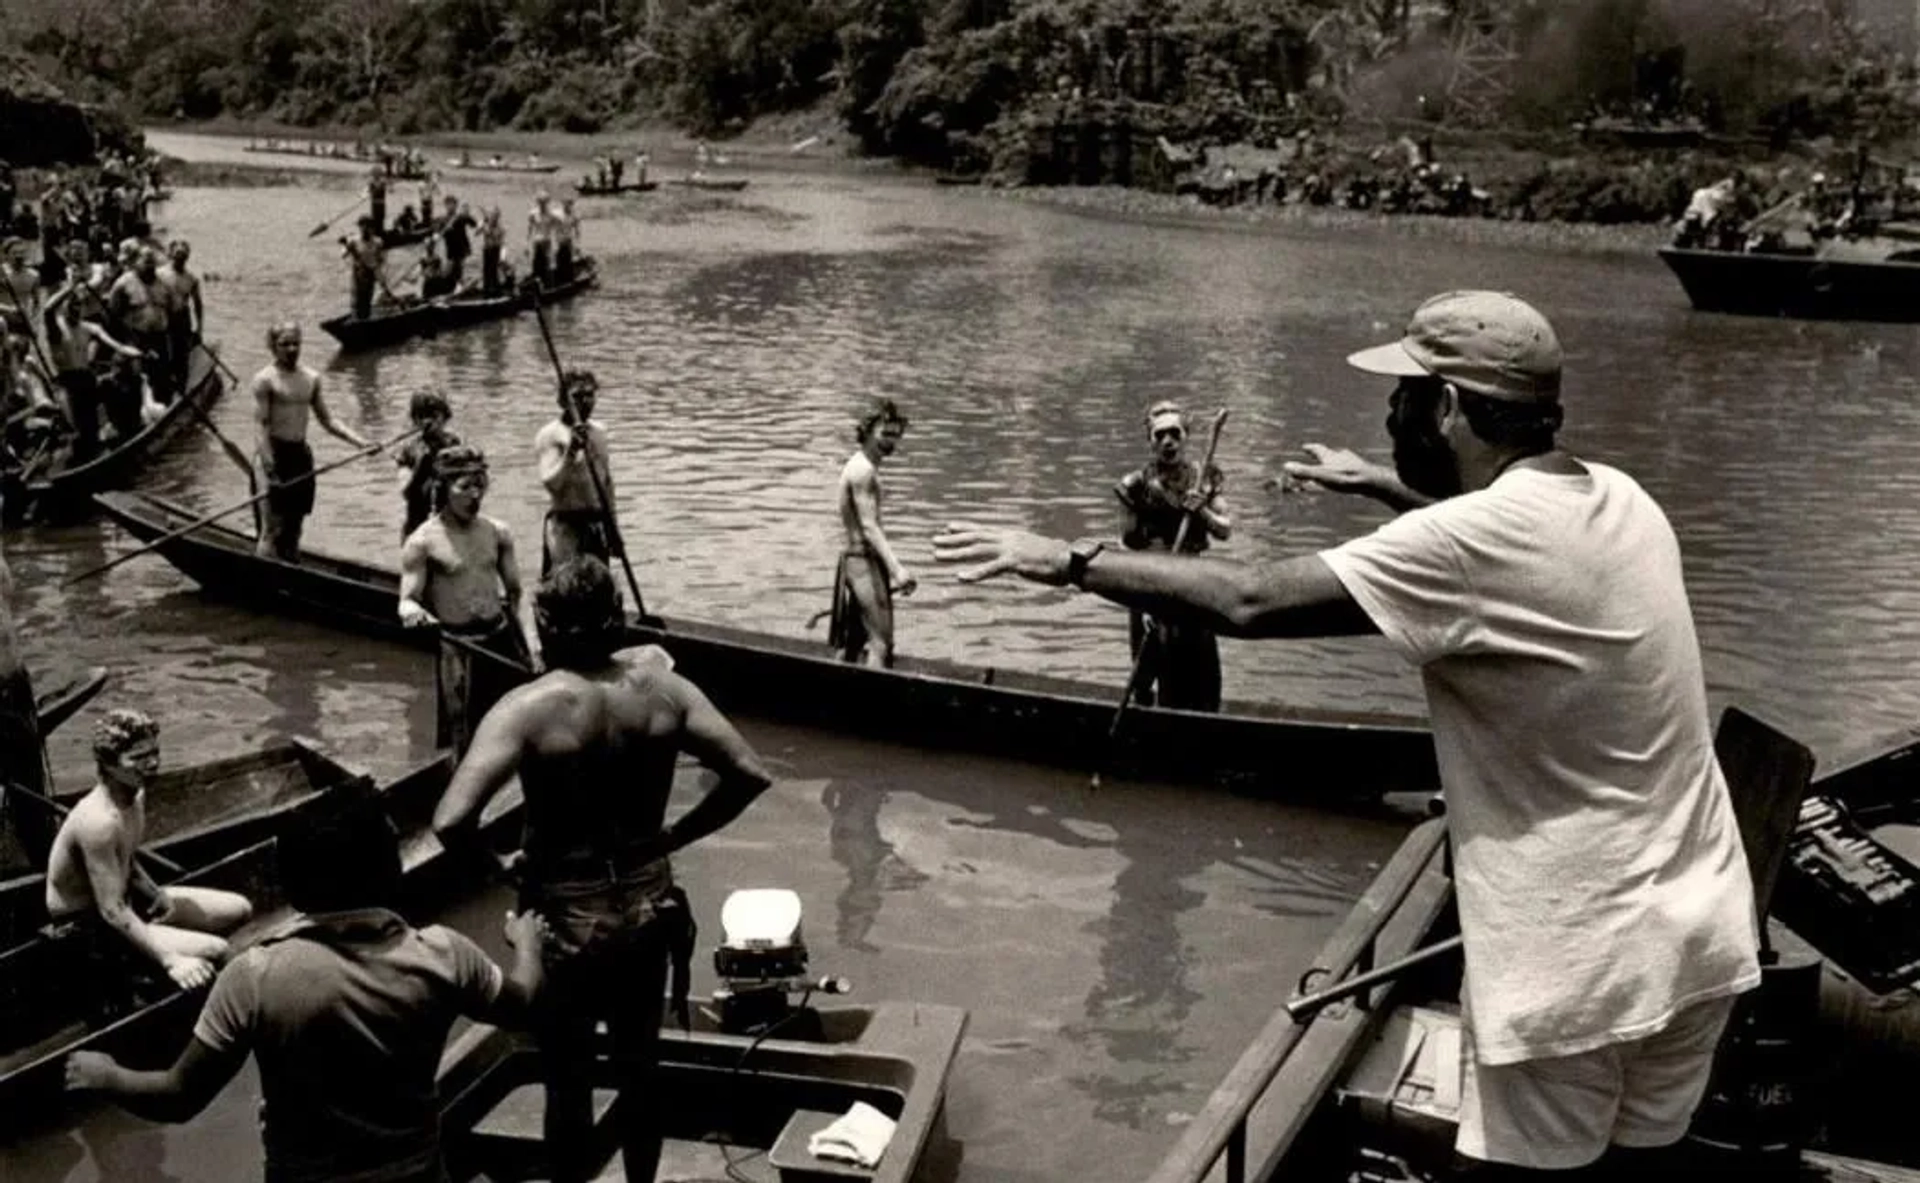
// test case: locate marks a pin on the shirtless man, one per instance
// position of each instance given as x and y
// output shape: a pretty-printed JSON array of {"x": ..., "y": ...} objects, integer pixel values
[
  {"x": 577, "y": 522},
  {"x": 284, "y": 393},
  {"x": 493, "y": 240},
  {"x": 76, "y": 342},
  {"x": 541, "y": 222},
  {"x": 366, "y": 255},
  {"x": 459, "y": 571},
  {"x": 594, "y": 743},
  {"x": 869, "y": 574},
  {"x": 93, "y": 880},
  {"x": 566, "y": 237},
  {"x": 186, "y": 316}
]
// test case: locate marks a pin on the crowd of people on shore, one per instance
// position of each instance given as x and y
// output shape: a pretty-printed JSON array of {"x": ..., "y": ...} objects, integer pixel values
[{"x": 96, "y": 334}]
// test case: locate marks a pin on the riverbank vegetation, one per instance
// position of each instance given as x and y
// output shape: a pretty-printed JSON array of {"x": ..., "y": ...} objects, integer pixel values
[{"x": 1079, "y": 91}]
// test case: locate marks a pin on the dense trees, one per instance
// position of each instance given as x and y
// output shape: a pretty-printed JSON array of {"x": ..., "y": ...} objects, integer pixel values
[{"x": 943, "y": 81}]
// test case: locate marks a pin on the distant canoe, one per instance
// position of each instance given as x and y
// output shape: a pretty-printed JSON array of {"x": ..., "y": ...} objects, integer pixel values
[
  {"x": 394, "y": 236},
  {"x": 504, "y": 166},
  {"x": 714, "y": 184},
  {"x": 391, "y": 326},
  {"x": 587, "y": 190}
]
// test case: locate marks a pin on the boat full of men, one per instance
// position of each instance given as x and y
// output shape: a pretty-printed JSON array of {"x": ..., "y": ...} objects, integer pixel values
[{"x": 1540, "y": 594}]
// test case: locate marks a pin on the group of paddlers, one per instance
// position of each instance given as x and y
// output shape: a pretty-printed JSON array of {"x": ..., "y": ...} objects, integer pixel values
[{"x": 553, "y": 238}]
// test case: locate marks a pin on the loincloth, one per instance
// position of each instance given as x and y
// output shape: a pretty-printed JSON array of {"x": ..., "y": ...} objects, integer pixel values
[
  {"x": 288, "y": 460},
  {"x": 847, "y": 629},
  {"x": 479, "y": 662}
]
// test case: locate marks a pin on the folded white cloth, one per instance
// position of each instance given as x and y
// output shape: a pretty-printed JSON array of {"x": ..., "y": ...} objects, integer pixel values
[{"x": 859, "y": 1136}]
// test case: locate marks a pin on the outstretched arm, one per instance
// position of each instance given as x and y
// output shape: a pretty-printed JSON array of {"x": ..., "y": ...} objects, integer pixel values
[
  {"x": 1298, "y": 597},
  {"x": 327, "y": 421},
  {"x": 175, "y": 1095}
]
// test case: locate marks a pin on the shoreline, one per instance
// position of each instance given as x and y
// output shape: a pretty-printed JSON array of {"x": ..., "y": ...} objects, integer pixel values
[{"x": 768, "y": 146}]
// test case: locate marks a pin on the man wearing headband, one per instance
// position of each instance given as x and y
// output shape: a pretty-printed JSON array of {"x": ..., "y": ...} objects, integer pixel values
[
  {"x": 869, "y": 573},
  {"x": 1181, "y": 664},
  {"x": 1603, "y": 891},
  {"x": 428, "y": 411},
  {"x": 576, "y": 523},
  {"x": 94, "y": 882},
  {"x": 285, "y": 393},
  {"x": 459, "y": 571},
  {"x": 594, "y": 743}
]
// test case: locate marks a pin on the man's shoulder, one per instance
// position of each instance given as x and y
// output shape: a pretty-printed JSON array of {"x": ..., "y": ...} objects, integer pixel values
[{"x": 857, "y": 467}]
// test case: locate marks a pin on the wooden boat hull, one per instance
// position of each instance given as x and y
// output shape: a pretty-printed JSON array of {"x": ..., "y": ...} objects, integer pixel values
[
  {"x": 1281, "y": 752},
  {"x": 1797, "y": 285},
  {"x": 393, "y": 237},
  {"x": 471, "y": 167},
  {"x": 712, "y": 184},
  {"x": 896, "y": 1057},
  {"x": 57, "y": 706},
  {"x": 614, "y": 191},
  {"x": 54, "y": 1002},
  {"x": 66, "y": 490},
  {"x": 443, "y": 315},
  {"x": 195, "y": 815}
]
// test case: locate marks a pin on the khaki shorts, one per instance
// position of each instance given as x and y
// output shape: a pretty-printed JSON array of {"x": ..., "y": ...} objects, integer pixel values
[{"x": 1563, "y": 1112}]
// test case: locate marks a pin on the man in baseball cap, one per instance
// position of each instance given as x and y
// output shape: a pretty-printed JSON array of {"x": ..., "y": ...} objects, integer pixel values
[{"x": 1604, "y": 898}]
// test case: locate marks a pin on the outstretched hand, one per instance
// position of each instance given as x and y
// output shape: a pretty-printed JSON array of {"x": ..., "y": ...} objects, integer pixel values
[
  {"x": 1341, "y": 470},
  {"x": 993, "y": 551}
]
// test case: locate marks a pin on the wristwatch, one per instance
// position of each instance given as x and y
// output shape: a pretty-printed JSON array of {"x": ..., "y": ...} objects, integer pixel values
[{"x": 1078, "y": 556}]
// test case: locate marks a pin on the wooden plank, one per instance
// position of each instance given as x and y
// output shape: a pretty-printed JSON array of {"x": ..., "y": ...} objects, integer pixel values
[{"x": 1767, "y": 775}]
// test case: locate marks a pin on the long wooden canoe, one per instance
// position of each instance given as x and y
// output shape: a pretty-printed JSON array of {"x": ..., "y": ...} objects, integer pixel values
[
  {"x": 68, "y": 486},
  {"x": 711, "y": 184},
  {"x": 1261, "y": 748},
  {"x": 589, "y": 189},
  {"x": 54, "y": 1001},
  {"x": 391, "y": 326},
  {"x": 755, "y": 1095},
  {"x": 58, "y": 705},
  {"x": 195, "y": 815}
]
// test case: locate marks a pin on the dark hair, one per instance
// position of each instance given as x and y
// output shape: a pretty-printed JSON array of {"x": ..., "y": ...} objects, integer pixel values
[
  {"x": 577, "y": 608},
  {"x": 428, "y": 402},
  {"x": 882, "y": 411},
  {"x": 1524, "y": 426},
  {"x": 346, "y": 858}
]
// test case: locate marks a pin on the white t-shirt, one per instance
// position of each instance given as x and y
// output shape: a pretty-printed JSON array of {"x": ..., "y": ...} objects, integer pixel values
[{"x": 1601, "y": 880}]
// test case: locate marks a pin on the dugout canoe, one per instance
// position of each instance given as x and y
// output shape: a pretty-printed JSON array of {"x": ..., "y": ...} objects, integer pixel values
[
  {"x": 55, "y": 707},
  {"x": 393, "y": 236},
  {"x": 53, "y": 1001},
  {"x": 391, "y": 326},
  {"x": 754, "y": 1095},
  {"x": 503, "y": 166},
  {"x": 712, "y": 184},
  {"x": 67, "y": 487},
  {"x": 1260, "y": 748},
  {"x": 195, "y": 815}
]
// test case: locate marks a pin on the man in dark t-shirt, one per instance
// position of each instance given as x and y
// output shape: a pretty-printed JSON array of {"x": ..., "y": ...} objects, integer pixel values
[{"x": 347, "y": 1013}]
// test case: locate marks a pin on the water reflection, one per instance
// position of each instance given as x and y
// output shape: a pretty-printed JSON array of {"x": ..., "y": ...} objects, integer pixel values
[{"x": 872, "y": 864}]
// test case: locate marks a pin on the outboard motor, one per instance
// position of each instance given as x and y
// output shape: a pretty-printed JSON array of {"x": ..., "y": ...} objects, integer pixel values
[{"x": 762, "y": 961}]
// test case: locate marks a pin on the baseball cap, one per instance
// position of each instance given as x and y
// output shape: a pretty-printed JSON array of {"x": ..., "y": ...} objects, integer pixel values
[{"x": 1492, "y": 343}]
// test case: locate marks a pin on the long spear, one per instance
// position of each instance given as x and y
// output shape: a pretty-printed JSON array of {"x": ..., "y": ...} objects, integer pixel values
[{"x": 197, "y": 523}]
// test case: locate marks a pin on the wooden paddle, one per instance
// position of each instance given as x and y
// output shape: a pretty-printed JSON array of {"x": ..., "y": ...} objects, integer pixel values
[
  {"x": 190, "y": 527},
  {"x": 234, "y": 452},
  {"x": 1153, "y": 634},
  {"x": 322, "y": 228},
  {"x": 1305, "y": 1006},
  {"x": 60, "y": 811},
  {"x": 593, "y": 470}
]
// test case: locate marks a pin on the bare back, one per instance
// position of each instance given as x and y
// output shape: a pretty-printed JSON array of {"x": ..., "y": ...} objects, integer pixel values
[
  {"x": 285, "y": 398},
  {"x": 598, "y": 756}
]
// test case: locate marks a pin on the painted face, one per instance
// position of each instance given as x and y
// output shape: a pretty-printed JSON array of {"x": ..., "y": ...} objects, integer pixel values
[
  {"x": 1422, "y": 456},
  {"x": 465, "y": 491},
  {"x": 137, "y": 766},
  {"x": 1169, "y": 438}
]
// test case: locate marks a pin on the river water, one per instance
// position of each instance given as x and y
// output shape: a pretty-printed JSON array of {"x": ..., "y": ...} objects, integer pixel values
[{"x": 1116, "y": 951}]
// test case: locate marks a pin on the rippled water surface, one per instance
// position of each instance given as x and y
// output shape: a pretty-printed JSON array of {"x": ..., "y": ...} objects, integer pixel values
[{"x": 1116, "y": 951}]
